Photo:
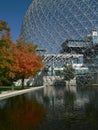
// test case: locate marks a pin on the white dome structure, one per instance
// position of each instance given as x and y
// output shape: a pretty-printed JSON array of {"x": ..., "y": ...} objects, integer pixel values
[{"x": 48, "y": 23}]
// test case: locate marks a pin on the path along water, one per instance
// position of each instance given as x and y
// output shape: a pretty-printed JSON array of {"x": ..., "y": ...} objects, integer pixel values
[{"x": 8, "y": 94}]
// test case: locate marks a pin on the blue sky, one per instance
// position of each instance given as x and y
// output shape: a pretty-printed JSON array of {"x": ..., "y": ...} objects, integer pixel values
[{"x": 13, "y": 11}]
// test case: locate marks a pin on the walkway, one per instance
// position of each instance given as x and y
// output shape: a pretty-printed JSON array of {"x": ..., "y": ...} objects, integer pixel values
[
  {"x": 9, "y": 94},
  {"x": 60, "y": 57}
]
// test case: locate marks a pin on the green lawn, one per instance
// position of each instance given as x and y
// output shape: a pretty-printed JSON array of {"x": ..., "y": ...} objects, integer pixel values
[{"x": 6, "y": 88}]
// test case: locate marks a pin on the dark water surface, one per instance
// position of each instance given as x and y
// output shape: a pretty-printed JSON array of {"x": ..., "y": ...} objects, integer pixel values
[{"x": 51, "y": 108}]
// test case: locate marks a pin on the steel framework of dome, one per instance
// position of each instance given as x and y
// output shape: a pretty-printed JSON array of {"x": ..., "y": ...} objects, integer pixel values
[{"x": 48, "y": 23}]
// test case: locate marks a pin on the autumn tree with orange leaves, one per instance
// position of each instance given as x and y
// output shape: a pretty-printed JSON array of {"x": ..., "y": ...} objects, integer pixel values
[
  {"x": 17, "y": 60},
  {"x": 26, "y": 62}
]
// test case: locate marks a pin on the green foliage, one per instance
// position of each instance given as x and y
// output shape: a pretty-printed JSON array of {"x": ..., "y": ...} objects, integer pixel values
[
  {"x": 5, "y": 80},
  {"x": 68, "y": 72},
  {"x": 6, "y": 88},
  {"x": 3, "y": 26},
  {"x": 5, "y": 53}
]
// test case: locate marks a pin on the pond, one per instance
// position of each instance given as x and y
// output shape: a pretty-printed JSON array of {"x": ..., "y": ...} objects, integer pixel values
[{"x": 51, "y": 108}]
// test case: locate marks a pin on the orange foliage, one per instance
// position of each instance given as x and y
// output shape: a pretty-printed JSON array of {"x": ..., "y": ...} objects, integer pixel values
[
  {"x": 17, "y": 61},
  {"x": 26, "y": 63}
]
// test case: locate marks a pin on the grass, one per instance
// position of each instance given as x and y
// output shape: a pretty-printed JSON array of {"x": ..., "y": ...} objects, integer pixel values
[
  {"x": 6, "y": 88},
  {"x": 94, "y": 85}
]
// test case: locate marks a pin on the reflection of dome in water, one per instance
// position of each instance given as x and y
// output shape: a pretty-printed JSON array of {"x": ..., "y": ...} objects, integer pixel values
[{"x": 48, "y": 23}]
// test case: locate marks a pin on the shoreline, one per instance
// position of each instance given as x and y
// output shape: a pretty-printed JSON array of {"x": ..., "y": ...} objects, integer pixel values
[{"x": 17, "y": 92}]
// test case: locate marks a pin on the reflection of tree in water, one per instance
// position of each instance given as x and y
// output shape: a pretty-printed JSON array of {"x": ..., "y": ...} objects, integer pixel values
[
  {"x": 83, "y": 118},
  {"x": 19, "y": 113},
  {"x": 79, "y": 109},
  {"x": 63, "y": 110},
  {"x": 70, "y": 97}
]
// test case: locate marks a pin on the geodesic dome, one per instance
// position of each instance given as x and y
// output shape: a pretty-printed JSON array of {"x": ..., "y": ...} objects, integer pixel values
[{"x": 48, "y": 23}]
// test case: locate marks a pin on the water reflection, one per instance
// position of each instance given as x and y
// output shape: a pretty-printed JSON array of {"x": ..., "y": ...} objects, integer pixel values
[
  {"x": 21, "y": 113},
  {"x": 51, "y": 108}
]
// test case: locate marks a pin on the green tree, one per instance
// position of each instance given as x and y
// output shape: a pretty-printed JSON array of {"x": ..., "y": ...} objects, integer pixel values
[
  {"x": 68, "y": 72},
  {"x": 6, "y": 46}
]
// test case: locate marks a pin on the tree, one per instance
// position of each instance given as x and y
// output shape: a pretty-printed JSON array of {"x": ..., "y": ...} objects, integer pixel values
[
  {"x": 6, "y": 45},
  {"x": 17, "y": 60},
  {"x": 68, "y": 72},
  {"x": 26, "y": 62},
  {"x": 3, "y": 27}
]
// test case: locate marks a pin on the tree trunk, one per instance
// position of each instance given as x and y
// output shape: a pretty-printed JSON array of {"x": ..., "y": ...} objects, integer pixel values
[
  {"x": 69, "y": 85},
  {"x": 22, "y": 83},
  {"x": 12, "y": 87}
]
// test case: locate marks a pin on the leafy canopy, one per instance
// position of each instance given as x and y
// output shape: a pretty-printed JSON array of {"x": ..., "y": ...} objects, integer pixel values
[
  {"x": 69, "y": 72},
  {"x": 17, "y": 60}
]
